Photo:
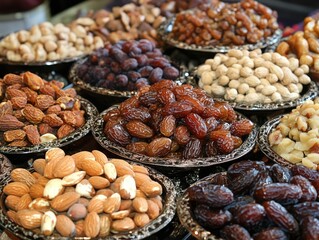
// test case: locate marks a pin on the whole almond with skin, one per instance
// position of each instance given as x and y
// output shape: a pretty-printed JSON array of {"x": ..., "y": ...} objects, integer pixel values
[
  {"x": 53, "y": 120},
  {"x": 44, "y": 101},
  {"x": 49, "y": 168},
  {"x": 24, "y": 202},
  {"x": 11, "y": 201},
  {"x": 112, "y": 204},
  {"x": 92, "y": 168},
  {"x": 125, "y": 204},
  {"x": 33, "y": 114},
  {"x": 64, "y": 167},
  {"x": 121, "y": 162},
  {"x": 105, "y": 225},
  {"x": 99, "y": 182},
  {"x": 29, "y": 219},
  {"x": 79, "y": 226},
  {"x": 69, "y": 189},
  {"x": 36, "y": 190},
  {"x": 9, "y": 122},
  {"x": 31, "y": 95},
  {"x": 79, "y": 156},
  {"x": 139, "y": 193},
  {"x": 53, "y": 153},
  {"x": 151, "y": 189},
  {"x": 158, "y": 201},
  {"x": 36, "y": 175},
  {"x": 140, "y": 204},
  {"x": 153, "y": 210},
  {"x": 110, "y": 171},
  {"x": 141, "y": 219},
  {"x": 12, "y": 215},
  {"x": 97, "y": 204},
  {"x": 140, "y": 169},
  {"x": 39, "y": 165},
  {"x": 13, "y": 135},
  {"x": 120, "y": 214},
  {"x": 73, "y": 178},
  {"x": 18, "y": 102},
  {"x": 32, "y": 80},
  {"x": 33, "y": 134},
  {"x": 77, "y": 211},
  {"x": 141, "y": 178},
  {"x": 122, "y": 225},
  {"x": 10, "y": 79},
  {"x": 63, "y": 202},
  {"x": 53, "y": 188},
  {"x": 106, "y": 192},
  {"x": 16, "y": 188},
  {"x": 100, "y": 157},
  {"x": 65, "y": 226},
  {"x": 22, "y": 175},
  {"x": 40, "y": 204},
  {"x": 84, "y": 201},
  {"x": 92, "y": 225},
  {"x": 42, "y": 180},
  {"x": 65, "y": 130},
  {"x": 123, "y": 170},
  {"x": 85, "y": 189}
]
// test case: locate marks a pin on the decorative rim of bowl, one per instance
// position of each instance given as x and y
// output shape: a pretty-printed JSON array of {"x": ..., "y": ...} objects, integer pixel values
[
  {"x": 310, "y": 92},
  {"x": 77, "y": 81},
  {"x": 5, "y": 168},
  {"x": 185, "y": 214},
  {"x": 97, "y": 131},
  {"x": 167, "y": 26},
  {"x": 90, "y": 114},
  {"x": 166, "y": 216}
]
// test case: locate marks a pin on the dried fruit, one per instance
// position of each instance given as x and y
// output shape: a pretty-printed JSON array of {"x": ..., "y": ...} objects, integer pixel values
[
  {"x": 33, "y": 114},
  {"x": 196, "y": 125},
  {"x": 139, "y": 129},
  {"x": 32, "y": 134},
  {"x": 235, "y": 232},
  {"x": 9, "y": 122},
  {"x": 249, "y": 215}
]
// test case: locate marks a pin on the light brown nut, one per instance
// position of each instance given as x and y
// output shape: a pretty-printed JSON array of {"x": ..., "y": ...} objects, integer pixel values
[
  {"x": 105, "y": 225},
  {"x": 99, "y": 182},
  {"x": 122, "y": 225},
  {"x": 92, "y": 168},
  {"x": 29, "y": 219},
  {"x": 54, "y": 153},
  {"x": 16, "y": 188},
  {"x": 63, "y": 202},
  {"x": 24, "y": 202},
  {"x": 73, "y": 178},
  {"x": 151, "y": 189},
  {"x": 100, "y": 157},
  {"x": 97, "y": 204},
  {"x": 64, "y": 167},
  {"x": 65, "y": 226},
  {"x": 36, "y": 190},
  {"x": 11, "y": 201},
  {"x": 140, "y": 204},
  {"x": 141, "y": 219},
  {"x": 92, "y": 225},
  {"x": 112, "y": 204},
  {"x": 22, "y": 175}
]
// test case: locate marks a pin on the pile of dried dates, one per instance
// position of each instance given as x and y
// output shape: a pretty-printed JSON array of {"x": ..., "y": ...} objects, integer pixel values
[
  {"x": 170, "y": 120},
  {"x": 260, "y": 202},
  {"x": 127, "y": 65}
]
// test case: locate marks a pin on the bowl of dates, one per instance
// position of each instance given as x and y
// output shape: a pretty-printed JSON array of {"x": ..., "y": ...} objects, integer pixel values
[
  {"x": 292, "y": 138},
  {"x": 219, "y": 28},
  {"x": 175, "y": 126},
  {"x": 119, "y": 70},
  {"x": 85, "y": 195},
  {"x": 36, "y": 115},
  {"x": 253, "y": 201}
]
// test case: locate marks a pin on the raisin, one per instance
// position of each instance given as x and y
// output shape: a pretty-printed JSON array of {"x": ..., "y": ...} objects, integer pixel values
[
  {"x": 280, "y": 173},
  {"x": 241, "y": 127},
  {"x": 156, "y": 75},
  {"x": 148, "y": 98},
  {"x": 118, "y": 134},
  {"x": 182, "y": 135},
  {"x": 166, "y": 96},
  {"x": 196, "y": 125},
  {"x": 213, "y": 195},
  {"x": 283, "y": 193},
  {"x": 167, "y": 125},
  {"x": 249, "y": 215},
  {"x": 280, "y": 216},
  {"x": 305, "y": 172},
  {"x": 304, "y": 209},
  {"x": 244, "y": 181},
  {"x": 309, "y": 193},
  {"x": 310, "y": 228},
  {"x": 159, "y": 147},
  {"x": 197, "y": 106},
  {"x": 138, "y": 129},
  {"x": 137, "y": 147},
  {"x": 235, "y": 232},
  {"x": 223, "y": 139},
  {"x": 271, "y": 234},
  {"x": 193, "y": 149},
  {"x": 210, "y": 218},
  {"x": 177, "y": 109},
  {"x": 141, "y": 114}
]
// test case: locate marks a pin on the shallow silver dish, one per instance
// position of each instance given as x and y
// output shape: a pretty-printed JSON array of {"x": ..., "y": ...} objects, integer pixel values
[
  {"x": 185, "y": 214},
  {"x": 77, "y": 81},
  {"x": 167, "y": 27},
  {"x": 167, "y": 214},
  {"x": 263, "y": 142},
  {"x": 101, "y": 138},
  {"x": 5, "y": 168},
  {"x": 90, "y": 114}
]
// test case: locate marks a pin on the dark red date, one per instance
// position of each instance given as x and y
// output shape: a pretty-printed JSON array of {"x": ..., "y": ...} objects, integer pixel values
[
  {"x": 310, "y": 228},
  {"x": 159, "y": 147},
  {"x": 271, "y": 234},
  {"x": 309, "y": 193},
  {"x": 304, "y": 209},
  {"x": 308, "y": 173},
  {"x": 177, "y": 109},
  {"x": 193, "y": 149},
  {"x": 235, "y": 232},
  {"x": 243, "y": 182},
  {"x": 236, "y": 169},
  {"x": 280, "y": 173},
  {"x": 196, "y": 125},
  {"x": 249, "y": 215},
  {"x": 118, "y": 134}
]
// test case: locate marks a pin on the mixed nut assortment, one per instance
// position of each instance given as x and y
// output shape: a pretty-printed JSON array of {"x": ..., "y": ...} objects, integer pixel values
[
  {"x": 35, "y": 111},
  {"x": 127, "y": 66},
  {"x": 82, "y": 195},
  {"x": 255, "y": 201},
  {"x": 177, "y": 121},
  {"x": 245, "y": 22},
  {"x": 253, "y": 77}
]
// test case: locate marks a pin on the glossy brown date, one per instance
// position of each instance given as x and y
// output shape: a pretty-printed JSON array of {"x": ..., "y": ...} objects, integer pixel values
[
  {"x": 310, "y": 228},
  {"x": 280, "y": 173},
  {"x": 235, "y": 232},
  {"x": 309, "y": 193},
  {"x": 243, "y": 182},
  {"x": 308, "y": 173},
  {"x": 304, "y": 209},
  {"x": 249, "y": 215},
  {"x": 271, "y": 234}
]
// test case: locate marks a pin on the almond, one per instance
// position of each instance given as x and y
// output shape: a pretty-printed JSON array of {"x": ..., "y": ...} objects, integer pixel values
[
  {"x": 63, "y": 202},
  {"x": 79, "y": 225},
  {"x": 42, "y": 180},
  {"x": 40, "y": 204},
  {"x": 122, "y": 167},
  {"x": 12, "y": 215},
  {"x": 78, "y": 157},
  {"x": 23, "y": 175},
  {"x": 139, "y": 193},
  {"x": 85, "y": 189},
  {"x": 151, "y": 188},
  {"x": 97, "y": 204},
  {"x": 105, "y": 225},
  {"x": 120, "y": 214},
  {"x": 110, "y": 171},
  {"x": 32, "y": 114},
  {"x": 9, "y": 122},
  {"x": 141, "y": 219},
  {"x": 141, "y": 178},
  {"x": 100, "y": 157},
  {"x": 127, "y": 187},
  {"x": 64, "y": 167},
  {"x": 84, "y": 201},
  {"x": 77, "y": 211},
  {"x": 65, "y": 226},
  {"x": 69, "y": 189},
  {"x": 32, "y": 80},
  {"x": 92, "y": 225},
  {"x": 16, "y": 188},
  {"x": 106, "y": 192},
  {"x": 36, "y": 175},
  {"x": 73, "y": 178},
  {"x": 54, "y": 153},
  {"x": 153, "y": 209},
  {"x": 11, "y": 201},
  {"x": 140, "y": 205},
  {"x": 99, "y": 182},
  {"x": 122, "y": 225},
  {"x": 158, "y": 201},
  {"x": 24, "y": 202},
  {"x": 140, "y": 169},
  {"x": 48, "y": 223},
  {"x": 92, "y": 168},
  {"x": 112, "y": 204},
  {"x": 29, "y": 219},
  {"x": 39, "y": 165},
  {"x": 36, "y": 190},
  {"x": 121, "y": 162},
  {"x": 53, "y": 188},
  {"x": 49, "y": 168}
]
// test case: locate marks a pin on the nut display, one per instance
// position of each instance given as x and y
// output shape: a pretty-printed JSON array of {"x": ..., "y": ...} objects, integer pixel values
[
  {"x": 295, "y": 138},
  {"x": 48, "y": 42},
  {"x": 126, "y": 65},
  {"x": 246, "y": 22},
  {"x": 257, "y": 201},
  {"x": 177, "y": 121},
  {"x": 34, "y": 111},
  {"x": 303, "y": 44},
  {"x": 253, "y": 77},
  {"x": 82, "y": 195}
]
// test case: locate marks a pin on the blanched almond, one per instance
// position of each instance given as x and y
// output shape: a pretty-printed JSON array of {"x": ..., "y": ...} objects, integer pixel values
[
  {"x": 22, "y": 175},
  {"x": 40, "y": 204},
  {"x": 48, "y": 223},
  {"x": 73, "y": 178},
  {"x": 63, "y": 202},
  {"x": 92, "y": 225},
  {"x": 53, "y": 188},
  {"x": 85, "y": 189},
  {"x": 110, "y": 171},
  {"x": 127, "y": 187}
]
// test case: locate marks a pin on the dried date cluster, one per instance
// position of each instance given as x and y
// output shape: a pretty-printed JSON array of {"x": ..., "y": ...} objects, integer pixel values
[
  {"x": 246, "y": 22},
  {"x": 82, "y": 195},
  {"x": 167, "y": 120},
  {"x": 260, "y": 202},
  {"x": 127, "y": 65},
  {"x": 34, "y": 111}
]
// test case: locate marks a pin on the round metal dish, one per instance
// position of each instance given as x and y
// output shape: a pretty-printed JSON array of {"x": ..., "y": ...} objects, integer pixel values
[{"x": 5, "y": 168}]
